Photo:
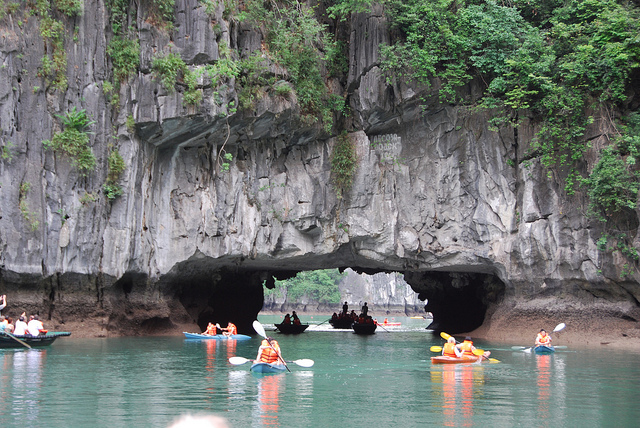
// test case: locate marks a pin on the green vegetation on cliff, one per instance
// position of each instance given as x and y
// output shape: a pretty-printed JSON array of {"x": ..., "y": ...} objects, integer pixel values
[{"x": 318, "y": 286}]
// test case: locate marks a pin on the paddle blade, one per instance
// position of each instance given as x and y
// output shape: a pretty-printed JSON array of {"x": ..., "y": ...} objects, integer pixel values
[
  {"x": 436, "y": 349},
  {"x": 305, "y": 362},
  {"x": 445, "y": 336},
  {"x": 478, "y": 352},
  {"x": 493, "y": 360},
  {"x": 559, "y": 327},
  {"x": 259, "y": 329},
  {"x": 236, "y": 361},
  {"x": 518, "y": 348}
]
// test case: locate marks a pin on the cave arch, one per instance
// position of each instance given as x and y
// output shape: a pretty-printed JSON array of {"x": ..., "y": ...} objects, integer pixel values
[{"x": 458, "y": 301}]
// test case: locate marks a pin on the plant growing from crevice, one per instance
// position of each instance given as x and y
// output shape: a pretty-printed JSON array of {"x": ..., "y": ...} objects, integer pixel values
[
  {"x": 344, "y": 161},
  {"x": 115, "y": 167},
  {"x": 29, "y": 216},
  {"x": 74, "y": 140}
]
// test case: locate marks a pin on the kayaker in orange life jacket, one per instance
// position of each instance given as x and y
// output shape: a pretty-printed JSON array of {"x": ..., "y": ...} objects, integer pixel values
[
  {"x": 229, "y": 330},
  {"x": 269, "y": 353},
  {"x": 543, "y": 339},
  {"x": 467, "y": 348},
  {"x": 450, "y": 349}
]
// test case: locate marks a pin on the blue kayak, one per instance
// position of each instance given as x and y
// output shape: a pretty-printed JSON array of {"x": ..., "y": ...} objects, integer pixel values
[
  {"x": 541, "y": 349},
  {"x": 267, "y": 368},
  {"x": 216, "y": 337}
]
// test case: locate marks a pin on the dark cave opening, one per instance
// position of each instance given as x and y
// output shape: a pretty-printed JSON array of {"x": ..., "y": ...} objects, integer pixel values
[{"x": 458, "y": 301}]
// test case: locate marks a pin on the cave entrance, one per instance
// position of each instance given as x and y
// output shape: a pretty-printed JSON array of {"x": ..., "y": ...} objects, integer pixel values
[{"x": 458, "y": 301}]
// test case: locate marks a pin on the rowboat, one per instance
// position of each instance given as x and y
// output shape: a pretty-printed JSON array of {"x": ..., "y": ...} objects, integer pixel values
[
  {"x": 541, "y": 349},
  {"x": 40, "y": 341},
  {"x": 341, "y": 322},
  {"x": 291, "y": 328},
  {"x": 267, "y": 368},
  {"x": 363, "y": 328},
  {"x": 442, "y": 359},
  {"x": 201, "y": 336}
]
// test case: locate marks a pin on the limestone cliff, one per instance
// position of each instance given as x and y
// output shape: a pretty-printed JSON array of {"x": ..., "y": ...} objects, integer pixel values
[{"x": 437, "y": 195}]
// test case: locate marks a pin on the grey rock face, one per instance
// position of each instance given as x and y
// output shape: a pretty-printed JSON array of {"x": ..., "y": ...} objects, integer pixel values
[{"x": 437, "y": 194}]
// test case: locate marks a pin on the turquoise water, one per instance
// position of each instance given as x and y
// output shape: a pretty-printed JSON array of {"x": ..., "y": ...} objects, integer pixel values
[{"x": 383, "y": 380}]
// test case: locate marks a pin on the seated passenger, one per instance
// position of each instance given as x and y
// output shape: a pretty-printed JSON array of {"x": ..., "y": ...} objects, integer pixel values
[
  {"x": 34, "y": 326},
  {"x": 21, "y": 326}
]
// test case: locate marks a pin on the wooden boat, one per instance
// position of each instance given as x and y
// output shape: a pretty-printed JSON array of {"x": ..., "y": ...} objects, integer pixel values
[
  {"x": 441, "y": 359},
  {"x": 267, "y": 368},
  {"x": 364, "y": 328},
  {"x": 291, "y": 328},
  {"x": 541, "y": 349},
  {"x": 201, "y": 336},
  {"x": 341, "y": 322},
  {"x": 47, "y": 339}
]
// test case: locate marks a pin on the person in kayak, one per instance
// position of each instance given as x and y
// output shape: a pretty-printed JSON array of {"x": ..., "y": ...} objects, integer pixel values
[
  {"x": 269, "y": 352},
  {"x": 229, "y": 330},
  {"x": 211, "y": 330},
  {"x": 543, "y": 339},
  {"x": 467, "y": 348},
  {"x": 450, "y": 349}
]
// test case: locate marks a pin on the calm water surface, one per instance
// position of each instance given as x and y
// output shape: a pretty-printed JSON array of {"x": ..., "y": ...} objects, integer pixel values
[{"x": 384, "y": 380}]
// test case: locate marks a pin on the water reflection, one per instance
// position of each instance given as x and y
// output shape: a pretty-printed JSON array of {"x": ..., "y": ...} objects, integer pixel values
[
  {"x": 20, "y": 391},
  {"x": 543, "y": 380},
  {"x": 268, "y": 397},
  {"x": 461, "y": 383}
]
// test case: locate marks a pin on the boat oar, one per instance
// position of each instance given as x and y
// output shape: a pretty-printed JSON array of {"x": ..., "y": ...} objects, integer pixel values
[
  {"x": 305, "y": 362},
  {"x": 436, "y": 349},
  {"x": 15, "y": 338},
  {"x": 260, "y": 330}
]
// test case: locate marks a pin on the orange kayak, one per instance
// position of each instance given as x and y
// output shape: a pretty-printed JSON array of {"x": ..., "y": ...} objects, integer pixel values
[{"x": 441, "y": 359}]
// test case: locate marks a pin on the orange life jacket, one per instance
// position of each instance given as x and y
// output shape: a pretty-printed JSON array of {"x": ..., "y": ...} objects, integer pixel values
[
  {"x": 546, "y": 340},
  {"x": 268, "y": 353},
  {"x": 466, "y": 347},
  {"x": 448, "y": 350},
  {"x": 232, "y": 329}
]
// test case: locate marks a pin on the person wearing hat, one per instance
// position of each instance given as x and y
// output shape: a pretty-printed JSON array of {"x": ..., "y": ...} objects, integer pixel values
[
  {"x": 450, "y": 349},
  {"x": 21, "y": 326},
  {"x": 467, "y": 348}
]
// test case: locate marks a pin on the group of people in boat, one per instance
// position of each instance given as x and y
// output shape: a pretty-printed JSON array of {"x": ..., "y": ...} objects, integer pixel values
[
  {"x": 291, "y": 319},
  {"x": 22, "y": 327},
  {"x": 459, "y": 350},
  {"x": 229, "y": 330},
  {"x": 363, "y": 318}
]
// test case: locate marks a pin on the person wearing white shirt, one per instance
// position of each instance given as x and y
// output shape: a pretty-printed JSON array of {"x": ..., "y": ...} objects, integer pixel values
[
  {"x": 3, "y": 299},
  {"x": 21, "y": 327},
  {"x": 34, "y": 326}
]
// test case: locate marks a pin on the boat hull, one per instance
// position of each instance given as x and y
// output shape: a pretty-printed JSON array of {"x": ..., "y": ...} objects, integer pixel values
[
  {"x": 267, "y": 368},
  {"x": 341, "y": 323},
  {"x": 200, "y": 336},
  {"x": 364, "y": 328},
  {"x": 544, "y": 349},
  {"x": 33, "y": 341},
  {"x": 441, "y": 359},
  {"x": 291, "y": 328}
]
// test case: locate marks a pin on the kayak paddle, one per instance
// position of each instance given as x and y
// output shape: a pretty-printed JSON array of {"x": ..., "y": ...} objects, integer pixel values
[
  {"x": 260, "y": 330},
  {"x": 236, "y": 361},
  {"x": 436, "y": 349},
  {"x": 559, "y": 327}
]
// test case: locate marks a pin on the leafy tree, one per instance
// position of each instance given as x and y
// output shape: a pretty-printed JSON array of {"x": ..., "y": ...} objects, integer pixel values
[{"x": 319, "y": 286}]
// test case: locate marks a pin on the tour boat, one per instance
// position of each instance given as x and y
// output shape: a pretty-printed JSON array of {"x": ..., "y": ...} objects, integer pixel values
[
  {"x": 367, "y": 328},
  {"x": 341, "y": 322},
  {"x": 389, "y": 324},
  {"x": 267, "y": 368},
  {"x": 9, "y": 340},
  {"x": 216, "y": 337},
  {"x": 291, "y": 328}
]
